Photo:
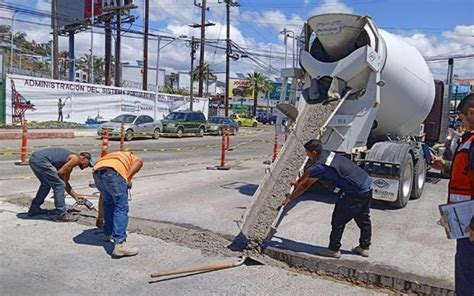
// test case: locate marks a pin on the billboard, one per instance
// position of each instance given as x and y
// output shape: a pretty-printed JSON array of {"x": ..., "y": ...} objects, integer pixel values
[
  {"x": 98, "y": 5},
  {"x": 70, "y": 12},
  {"x": 276, "y": 91},
  {"x": 45, "y": 99},
  {"x": 239, "y": 88}
]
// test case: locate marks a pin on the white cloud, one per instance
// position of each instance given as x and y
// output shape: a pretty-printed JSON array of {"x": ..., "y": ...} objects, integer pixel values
[
  {"x": 462, "y": 34},
  {"x": 449, "y": 43},
  {"x": 331, "y": 6}
]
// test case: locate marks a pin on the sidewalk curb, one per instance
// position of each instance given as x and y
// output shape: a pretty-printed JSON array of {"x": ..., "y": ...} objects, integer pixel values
[
  {"x": 36, "y": 135},
  {"x": 365, "y": 272}
]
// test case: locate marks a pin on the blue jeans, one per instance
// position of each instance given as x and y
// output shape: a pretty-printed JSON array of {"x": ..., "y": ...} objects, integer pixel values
[
  {"x": 464, "y": 267},
  {"x": 49, "y": 178},
  {"x": 113, "y": 189}
]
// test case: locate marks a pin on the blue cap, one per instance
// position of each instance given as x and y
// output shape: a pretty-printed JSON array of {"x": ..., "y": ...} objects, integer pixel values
[{"x": 89, "y": 157}]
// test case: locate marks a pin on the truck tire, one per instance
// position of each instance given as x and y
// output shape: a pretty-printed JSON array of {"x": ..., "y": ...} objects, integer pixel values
[
  {"x": 419, "y": 178},
  {"x": 406, "y": 182},
  {"x": 392, "y": 152}
]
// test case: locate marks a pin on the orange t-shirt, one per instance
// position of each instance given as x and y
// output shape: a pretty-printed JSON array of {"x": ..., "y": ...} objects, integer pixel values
[{"x": 121, "y": 162}]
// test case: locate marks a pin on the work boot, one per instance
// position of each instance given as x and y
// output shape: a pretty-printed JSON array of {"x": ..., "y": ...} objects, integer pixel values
[
  {"x": 35, "y": 211},
  {"x": 330, "y": 253},
  {"x": 361, "y": 251},
  {"x": 122, "y": 250},
  {"x": 107, "y": 238},
  {"x": 65, "y": 217}
]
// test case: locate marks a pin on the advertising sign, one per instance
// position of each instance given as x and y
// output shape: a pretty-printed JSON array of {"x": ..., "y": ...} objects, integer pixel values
[
  {"x": 239, "y": 88},
  {"x": 40, "y": 99},
  {"x": 276, "y": 91}
]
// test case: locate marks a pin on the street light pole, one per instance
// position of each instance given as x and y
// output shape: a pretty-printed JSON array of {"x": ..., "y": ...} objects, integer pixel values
[{"x": 11, "y": 41}]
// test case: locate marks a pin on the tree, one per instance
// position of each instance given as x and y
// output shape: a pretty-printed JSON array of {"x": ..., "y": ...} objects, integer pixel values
[
  {"x": 258, "y": 83},
  {"x": 172, "y": 78},
  {"x": 207, "y": 74}
]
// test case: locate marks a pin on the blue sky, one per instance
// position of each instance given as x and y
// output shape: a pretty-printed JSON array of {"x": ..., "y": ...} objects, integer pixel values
[{"x": 435, "y": 27}]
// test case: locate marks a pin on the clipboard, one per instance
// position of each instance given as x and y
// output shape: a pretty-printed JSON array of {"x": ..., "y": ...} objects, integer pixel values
[{"x": 456, "y": 217}]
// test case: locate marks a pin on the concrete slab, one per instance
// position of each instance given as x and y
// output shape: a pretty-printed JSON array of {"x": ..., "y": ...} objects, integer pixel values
[
  {"x": 406, "y": 241},
  {"x": 46, "y": 258}
]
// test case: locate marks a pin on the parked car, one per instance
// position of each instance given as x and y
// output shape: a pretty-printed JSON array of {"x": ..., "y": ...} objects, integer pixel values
[
  {"x": 243, "y": 120},
  {"x": 265, "y": 118},
  {"x": 183, "y": 122},
  {"x": 217, "y": 124},
  {"x": 134, "y": 126}
]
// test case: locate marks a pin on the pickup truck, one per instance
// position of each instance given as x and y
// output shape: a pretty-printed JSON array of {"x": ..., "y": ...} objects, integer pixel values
[{"x": 265, "y": 118}]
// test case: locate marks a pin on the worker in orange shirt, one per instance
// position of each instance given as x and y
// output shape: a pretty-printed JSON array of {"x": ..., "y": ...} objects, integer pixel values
[
  {"x": 113, "y": 176},
  {"x": 461, "y": 189}
]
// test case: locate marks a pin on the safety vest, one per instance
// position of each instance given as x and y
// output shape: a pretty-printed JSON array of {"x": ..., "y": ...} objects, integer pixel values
[{"x": 461, "y": 184}]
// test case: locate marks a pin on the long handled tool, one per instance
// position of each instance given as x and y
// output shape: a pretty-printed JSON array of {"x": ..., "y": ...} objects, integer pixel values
[{"x": 201, "y": 268}]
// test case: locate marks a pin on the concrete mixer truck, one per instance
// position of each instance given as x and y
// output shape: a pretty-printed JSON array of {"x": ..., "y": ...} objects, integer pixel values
[
  {"x": 385, "y": 91},
  {"x": 367, "y": 95}
]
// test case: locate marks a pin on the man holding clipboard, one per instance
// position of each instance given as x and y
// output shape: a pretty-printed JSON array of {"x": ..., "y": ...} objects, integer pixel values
[{"x": 461, "y": 194}]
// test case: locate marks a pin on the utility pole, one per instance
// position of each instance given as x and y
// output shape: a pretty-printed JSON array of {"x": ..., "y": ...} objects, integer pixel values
[
  {"x": 91, "y": 71},
  {"x": 118, "y": 68},
  {"x": 202, "y": 50},
  {"x": 203, "y": 26},
  {"x": 108, "y": 50},
  {"x": 145, "y": 46},
  {"x": 157, "y": 62},
  {"x": 54, "y": 10},
  {"x": 72, "y": 58},
  {"x": 285, "y": 41},
  {"x": 228, "y": 51},
  {"x": 12, "y": 35},
  {"x": 193, "y": 47}
]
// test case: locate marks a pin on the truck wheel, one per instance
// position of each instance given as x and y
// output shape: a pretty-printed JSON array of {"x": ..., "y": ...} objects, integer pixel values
[
  {"x": 406, "y": 182},
  {"x": 202, "y": 130},
  {"x": 156, "y": 134},
  {"x": 128, "y": 135},
  {"x": 419, "y": 178}
]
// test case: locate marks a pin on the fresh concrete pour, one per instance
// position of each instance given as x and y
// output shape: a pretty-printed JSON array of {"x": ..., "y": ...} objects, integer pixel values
[{"x": 276, "y": 183}]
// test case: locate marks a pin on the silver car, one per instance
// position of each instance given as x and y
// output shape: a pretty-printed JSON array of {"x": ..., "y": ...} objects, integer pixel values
[{"x": 134, "y": 126}]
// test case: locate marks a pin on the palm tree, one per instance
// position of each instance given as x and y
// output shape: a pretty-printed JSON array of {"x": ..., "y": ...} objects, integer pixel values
[
  {"x": 258, "y": 83},
  {"x": 207, "y": 74},
  {"x": 172, "y": 78}
]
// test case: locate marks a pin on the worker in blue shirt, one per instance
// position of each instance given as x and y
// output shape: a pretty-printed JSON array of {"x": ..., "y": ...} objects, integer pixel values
[{"x": 353, "y": 203}]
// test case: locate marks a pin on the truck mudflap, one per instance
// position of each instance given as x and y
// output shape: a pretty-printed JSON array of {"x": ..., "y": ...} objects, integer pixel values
[{"x": 385, "y": 177}]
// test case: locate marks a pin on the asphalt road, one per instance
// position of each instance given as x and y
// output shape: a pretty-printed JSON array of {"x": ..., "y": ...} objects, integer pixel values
[{"x": 175, "y": 187}]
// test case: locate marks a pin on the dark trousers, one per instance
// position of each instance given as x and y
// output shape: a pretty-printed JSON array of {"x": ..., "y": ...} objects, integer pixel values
[
  {"x": 60, "y": 116},
  {"x": 351, "y": 206},
  {"x": 464, "y": 267}
]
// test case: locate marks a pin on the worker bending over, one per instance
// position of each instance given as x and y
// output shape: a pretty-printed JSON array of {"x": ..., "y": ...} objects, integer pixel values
[
  {"x": 53, "y": 167},
  {"x": 113, "y": 176},
  {"x": 353, "y": 203}
]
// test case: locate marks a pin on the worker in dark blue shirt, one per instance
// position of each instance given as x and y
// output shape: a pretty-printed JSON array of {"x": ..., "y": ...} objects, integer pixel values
[{"x": 353, "y": 203}]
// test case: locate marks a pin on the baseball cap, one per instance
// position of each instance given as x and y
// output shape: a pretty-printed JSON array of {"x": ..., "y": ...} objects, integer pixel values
[{"x": 89, "y": 157}]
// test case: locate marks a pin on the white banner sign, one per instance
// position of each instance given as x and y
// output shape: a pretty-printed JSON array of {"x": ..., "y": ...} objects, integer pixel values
[{"x": 45, "y": 100}]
